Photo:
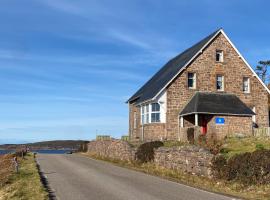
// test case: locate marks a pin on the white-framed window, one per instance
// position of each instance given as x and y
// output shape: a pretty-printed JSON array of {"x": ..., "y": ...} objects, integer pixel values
[
  {"x": 155, "y": 112},
  {"x": 191, "y": 80},
  {"x": 150, "y": 113},
  {"x": 246, "y": 85},
  {"x": 135, "y": 120},
  {"x": 220, "y": 82},
  {"x": 219, "y": 56}
]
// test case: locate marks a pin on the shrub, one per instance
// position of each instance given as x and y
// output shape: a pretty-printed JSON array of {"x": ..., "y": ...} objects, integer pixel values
[
  {"x": 145, "y": 151},
  {"x": 247, "y": 168},
  {"x": 219, "y": 166},
  {"x": 260, "y": 147},
  {"x": 212, "y": 144}
]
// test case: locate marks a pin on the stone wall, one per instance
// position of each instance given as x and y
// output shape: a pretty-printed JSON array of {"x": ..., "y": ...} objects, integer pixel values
[
  {"x": 153, "y": 132},
  {"x": 115, "y": 149},
  {"x": 134, "y": 122},
  {"x": 191, "y": 159},
  {"x": 234, "y": 69},
  {"x": 206, "y": 68}
]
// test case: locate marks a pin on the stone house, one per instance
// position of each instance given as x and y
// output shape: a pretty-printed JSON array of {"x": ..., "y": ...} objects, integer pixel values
[{"x": 207, "y": 89}]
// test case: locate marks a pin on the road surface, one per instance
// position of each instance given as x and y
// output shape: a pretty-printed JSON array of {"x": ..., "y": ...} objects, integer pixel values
[{"x": 75, "y": 177}]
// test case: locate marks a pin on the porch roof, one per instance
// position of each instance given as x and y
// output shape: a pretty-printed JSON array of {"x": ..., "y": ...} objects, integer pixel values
[{"x": 216, "y": 103}]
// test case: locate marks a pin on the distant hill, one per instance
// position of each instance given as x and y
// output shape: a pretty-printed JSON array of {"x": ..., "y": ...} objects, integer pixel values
[{"x": 54, "y": 144}]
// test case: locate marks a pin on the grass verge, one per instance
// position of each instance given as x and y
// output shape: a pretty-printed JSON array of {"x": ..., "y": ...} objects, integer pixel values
[
  {"x": 219, "y": 186},
  {"x": 234, "y": 145},
  {"x": 25, "y": 185}
]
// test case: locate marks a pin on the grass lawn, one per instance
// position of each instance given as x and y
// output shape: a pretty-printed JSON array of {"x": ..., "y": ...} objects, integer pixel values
[
  {"x": 233, "y": 146},
  {"x": 25, "y": 185}
]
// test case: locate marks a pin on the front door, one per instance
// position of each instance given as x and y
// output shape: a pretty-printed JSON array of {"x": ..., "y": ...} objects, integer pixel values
[{"x": 204, "y": 125}]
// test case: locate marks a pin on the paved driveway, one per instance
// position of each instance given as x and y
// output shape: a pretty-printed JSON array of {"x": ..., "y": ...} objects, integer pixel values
[{"x": 74, "y": 177}]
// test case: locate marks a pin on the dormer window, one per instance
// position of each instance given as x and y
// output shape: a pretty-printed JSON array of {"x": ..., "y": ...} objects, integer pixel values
[{"x": 219, "y": 56}]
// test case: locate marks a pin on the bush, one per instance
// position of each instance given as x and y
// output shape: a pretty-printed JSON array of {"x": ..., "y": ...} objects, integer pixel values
[
  {"x": 145, "y": 151},
  {"x": 247, "y": 168},
  {"x": 219, "y": 164},
  {"x": 212, "y": 144},
  {"x": 260, "y": 147}
]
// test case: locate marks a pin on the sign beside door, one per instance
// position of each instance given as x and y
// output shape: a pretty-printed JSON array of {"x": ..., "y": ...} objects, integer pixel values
[{"x": 220, "y": 121}]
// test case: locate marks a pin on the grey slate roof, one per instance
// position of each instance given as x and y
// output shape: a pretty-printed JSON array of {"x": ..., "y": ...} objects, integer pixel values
[
  {"x": 216, "y": 103},
  {"x": 151, "y": 88}
]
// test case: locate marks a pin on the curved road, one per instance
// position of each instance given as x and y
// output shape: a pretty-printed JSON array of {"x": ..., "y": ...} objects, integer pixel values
[{"x": 75, "y": 177}]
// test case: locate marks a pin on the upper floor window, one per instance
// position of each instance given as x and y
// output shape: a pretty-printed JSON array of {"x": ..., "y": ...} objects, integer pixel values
[
  {"x": 155, "y": 114},
  {"x": 219, "y": 56},
  {"x": 220, "y": 82},
  {"x": 246, "y": 85},
  {"x": 191, "y": 80}
]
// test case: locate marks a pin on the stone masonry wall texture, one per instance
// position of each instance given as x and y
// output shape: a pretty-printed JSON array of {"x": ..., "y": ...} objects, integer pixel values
[
  {"x": 115, "y": 149},
  {"x": 191, "y": 159},
  {"x": 206, "y": 68}
]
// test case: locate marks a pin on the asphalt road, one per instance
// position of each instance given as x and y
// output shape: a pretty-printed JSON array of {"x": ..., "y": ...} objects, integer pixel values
[{"x": 75, "y": 177}]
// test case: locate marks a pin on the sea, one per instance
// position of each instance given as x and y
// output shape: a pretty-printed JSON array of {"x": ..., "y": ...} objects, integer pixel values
[{"x": 62, "y": 151}]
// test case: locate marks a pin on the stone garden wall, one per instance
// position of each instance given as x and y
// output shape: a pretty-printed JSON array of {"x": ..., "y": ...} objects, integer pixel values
[
  {"x": 115, "y": 149},
  {"x": 191, "y": 159}
]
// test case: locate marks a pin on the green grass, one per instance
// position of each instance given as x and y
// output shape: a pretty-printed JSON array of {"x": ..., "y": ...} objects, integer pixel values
[
  {"x": 25, "y": 185},
  {"x": 261, "y": 192},
  {"x": 233, "y": 146}
]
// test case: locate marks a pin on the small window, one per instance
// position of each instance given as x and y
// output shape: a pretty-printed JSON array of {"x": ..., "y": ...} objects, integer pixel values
[
  {"x": 246, "y": 85},
  {"x": 219, "y": 56},
  {"x": 191, "y": 80},
  {"x": 155, "y": 114},
  {"x": 220, "y": 83}
]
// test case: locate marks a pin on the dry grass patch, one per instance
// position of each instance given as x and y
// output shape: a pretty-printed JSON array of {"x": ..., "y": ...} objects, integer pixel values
[{"x": 25, "y": 185}]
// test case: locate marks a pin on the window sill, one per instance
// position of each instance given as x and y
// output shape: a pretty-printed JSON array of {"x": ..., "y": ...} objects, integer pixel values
[{"x": 152, "y": 123}]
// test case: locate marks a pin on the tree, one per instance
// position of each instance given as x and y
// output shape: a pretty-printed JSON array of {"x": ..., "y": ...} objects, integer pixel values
[{"x": 262, "y": 68}]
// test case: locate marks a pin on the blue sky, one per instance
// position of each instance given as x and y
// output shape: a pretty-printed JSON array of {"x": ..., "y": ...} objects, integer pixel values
[{"x": 67, "y": 67}]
